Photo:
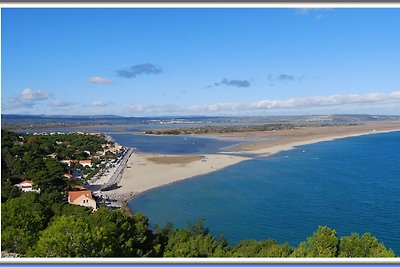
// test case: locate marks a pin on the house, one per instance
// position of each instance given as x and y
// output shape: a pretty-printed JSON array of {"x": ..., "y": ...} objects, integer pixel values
[
  {"x": 27, "y": 186},
  {"x": 83, "y": 162},
  {"x": 76, "y": 174},
  {"x": 68, "y": 175},
  {"x": 82, "y": 198}
]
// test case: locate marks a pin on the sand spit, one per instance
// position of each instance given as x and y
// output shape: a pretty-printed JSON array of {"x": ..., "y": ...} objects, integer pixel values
[
  {"x": 289, "y": 142},
  {"x": 147, "y": 171}
]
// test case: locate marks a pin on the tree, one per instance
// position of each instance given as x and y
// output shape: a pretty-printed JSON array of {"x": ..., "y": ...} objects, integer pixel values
[
  {"x": 194, "y": 242},
  {"x": 8, "y": 191},
  {"x": 21, "y": 220},
  {"x": 60, "y": 209},
  {"x": 265, "y": 248},
  {"x": 66, "y": 236},
  {"x": 104, "y": 233},
  {"x": 17, "y": 240},
  {"x": 323, "y": 243},
  {"x": 366, "y": 246},
  {"x": 121, "y": 234}
]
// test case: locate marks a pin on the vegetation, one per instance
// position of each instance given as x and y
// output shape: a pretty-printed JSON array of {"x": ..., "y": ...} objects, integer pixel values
[
  {"x": 44, "y": 225},
  {"x": 222, "y": 129},
  {"x": 39, "y": 158}
]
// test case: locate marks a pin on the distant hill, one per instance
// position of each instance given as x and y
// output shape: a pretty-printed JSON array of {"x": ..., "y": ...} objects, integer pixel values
[{"x": 30, "y": 121}]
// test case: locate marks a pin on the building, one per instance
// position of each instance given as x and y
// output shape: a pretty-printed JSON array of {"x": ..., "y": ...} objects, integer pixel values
[
  {"x": 82, "y": 198},
  {"x": 83, "y": 162},
  {"x": 27, "y": 186},
  {"x": 68, "y": 175}
]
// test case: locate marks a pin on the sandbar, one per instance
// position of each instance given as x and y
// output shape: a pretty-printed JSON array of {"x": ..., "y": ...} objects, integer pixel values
[
  {"x": 288, "y": 139},
  {"x": 145, "y": 171}
]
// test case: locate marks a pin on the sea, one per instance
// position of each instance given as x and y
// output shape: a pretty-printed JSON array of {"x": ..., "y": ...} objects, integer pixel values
[{"x": 350, "y": 185}]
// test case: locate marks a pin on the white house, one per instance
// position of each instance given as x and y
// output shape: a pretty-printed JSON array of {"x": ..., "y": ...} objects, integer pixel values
[
  {"x": 83, "y": 162},
  {"x": 27, "y": 186}
]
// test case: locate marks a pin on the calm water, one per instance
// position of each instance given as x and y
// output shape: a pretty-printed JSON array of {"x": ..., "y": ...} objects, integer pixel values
[
  {"x": 172, "y": 144},
  {"x": 131, "y": 137},
  {"x": 350, "y": 185}
]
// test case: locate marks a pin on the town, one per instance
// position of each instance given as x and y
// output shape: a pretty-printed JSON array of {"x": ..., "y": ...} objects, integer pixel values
[{"x": 92, "y": 162}]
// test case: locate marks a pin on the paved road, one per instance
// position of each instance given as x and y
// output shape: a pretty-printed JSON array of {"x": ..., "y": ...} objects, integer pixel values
[{"x": 117, "y": 175}]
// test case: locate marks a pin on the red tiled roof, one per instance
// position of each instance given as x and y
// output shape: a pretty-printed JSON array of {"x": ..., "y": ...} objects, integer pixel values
[
  {"x": 73, "y": 195},
  {"x": 26, "y": 182}
]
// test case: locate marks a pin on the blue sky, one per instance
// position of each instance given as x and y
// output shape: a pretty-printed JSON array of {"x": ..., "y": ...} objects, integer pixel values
[{"x": 165, "y": 61}]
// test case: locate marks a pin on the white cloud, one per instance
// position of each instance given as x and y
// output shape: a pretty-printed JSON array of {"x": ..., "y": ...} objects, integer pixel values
[
  {"x": 26, "y": 99},
  {"x": 99, "y": 80},
  {"x": 309, "y": 102},
  {"x": 29, "y": 94},
  {"x": 353, "y": 101},
  {"x": 99, "y": 103}
]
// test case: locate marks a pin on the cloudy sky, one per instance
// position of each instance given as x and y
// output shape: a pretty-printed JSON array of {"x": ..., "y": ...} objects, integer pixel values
[{"x": 138, "y": 62}]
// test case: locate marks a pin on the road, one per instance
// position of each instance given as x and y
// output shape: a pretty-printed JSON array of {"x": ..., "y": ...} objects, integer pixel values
[{"x": 117, "y": 175}]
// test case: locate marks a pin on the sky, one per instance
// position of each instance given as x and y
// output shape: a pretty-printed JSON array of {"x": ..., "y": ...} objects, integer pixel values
[{"x": 189, "y": 61}]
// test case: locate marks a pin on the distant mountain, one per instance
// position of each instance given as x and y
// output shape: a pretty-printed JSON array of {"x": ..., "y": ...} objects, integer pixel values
[
  {"x": 21, "y": 116},
  {"x": 29, "y": 121}
]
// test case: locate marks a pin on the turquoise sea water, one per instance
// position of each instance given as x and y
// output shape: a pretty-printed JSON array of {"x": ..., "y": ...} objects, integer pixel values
[{"x": 350, "y": 185}]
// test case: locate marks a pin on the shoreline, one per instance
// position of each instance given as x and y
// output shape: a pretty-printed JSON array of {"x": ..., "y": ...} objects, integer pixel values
[
  {"x": 284, "y": 146},
  {"x": 163, "y": 169},
  {"x": 147, "y": 171}
]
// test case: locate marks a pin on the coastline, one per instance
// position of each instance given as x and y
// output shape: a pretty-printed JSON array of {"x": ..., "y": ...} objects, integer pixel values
[
  {"x": 146, "y": 171},
  {"x": 284, "y": 145}
]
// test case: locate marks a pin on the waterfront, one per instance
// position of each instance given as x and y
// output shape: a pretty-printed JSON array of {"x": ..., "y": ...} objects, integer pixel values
[{"x": 350, "y": 185}]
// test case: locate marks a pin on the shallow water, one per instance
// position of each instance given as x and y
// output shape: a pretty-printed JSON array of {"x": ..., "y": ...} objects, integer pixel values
[
  {"x": 172, "y": 144},
  {"x": 350, "y": 185}
]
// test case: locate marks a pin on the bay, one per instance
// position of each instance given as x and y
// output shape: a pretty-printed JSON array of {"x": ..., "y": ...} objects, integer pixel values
[{"x": 350, "y": 185}]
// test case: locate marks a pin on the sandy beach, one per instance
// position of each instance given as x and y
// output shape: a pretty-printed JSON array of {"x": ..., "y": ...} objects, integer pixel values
[
  {"x": 146, "y": 171},
  {"x": 288, "y": 139}
]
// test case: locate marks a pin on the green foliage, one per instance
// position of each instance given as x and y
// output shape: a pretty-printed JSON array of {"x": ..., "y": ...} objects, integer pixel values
[
  {"x": 8, "y": 191},
  {"x": 104, "y": 233},
  {"x": 59, "y": 209},
  {"x": 193, "y": 242},
  {"x": 122, "y": 235},
  {"x": 323, "y": 243},
  {"x": 21, "y": 220},
  {"x": 366, "y": 246},
  {"x": 37, "y": 158},
  {"x": 198, "y": 228},
  {"x": 17, "y": 240},
  {"x": 66, "y": 236},
  {"x": 265, "y": 248},
  {"x": 182, "y": 244}
]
